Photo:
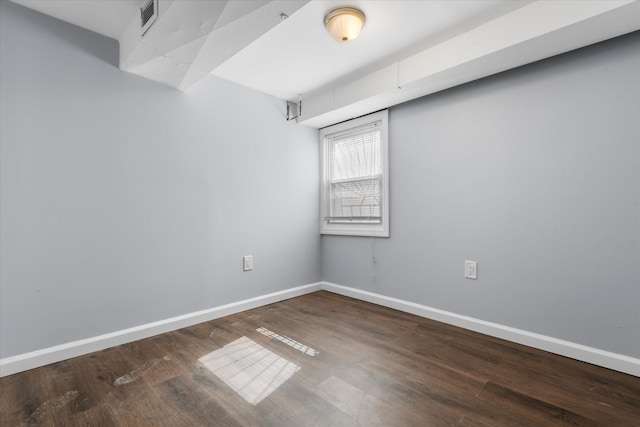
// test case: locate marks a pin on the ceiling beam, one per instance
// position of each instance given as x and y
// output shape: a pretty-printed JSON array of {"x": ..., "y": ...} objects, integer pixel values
[{"x": 536, "y": 31}]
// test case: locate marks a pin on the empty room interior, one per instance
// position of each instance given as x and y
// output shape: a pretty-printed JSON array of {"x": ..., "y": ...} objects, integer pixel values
[{"x": 319, "y": 213}]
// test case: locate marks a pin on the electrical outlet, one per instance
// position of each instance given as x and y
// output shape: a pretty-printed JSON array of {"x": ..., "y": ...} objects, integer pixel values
[
  {"x": 247, "y": 263},
  {"x": 470, "y": 269}
]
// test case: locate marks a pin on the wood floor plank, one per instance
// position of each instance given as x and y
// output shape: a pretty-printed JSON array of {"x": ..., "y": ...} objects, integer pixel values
[
  {"x": 95, "y": 416},
  {"x": 25, "y": 399},
  {"x": 154, "y": 364},
  {"x": 192, "y": 405},
  {"x": 606, "y": 398},
  {"x": 525, "y": 409},
  {"x": 356, "y": 364},
  {"x": 310, "y": 409}
]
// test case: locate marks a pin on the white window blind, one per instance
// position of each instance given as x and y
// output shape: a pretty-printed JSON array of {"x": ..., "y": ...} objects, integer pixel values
[
  {"x": 354, "y": 195},
  {"x": 355, "y": 175}
]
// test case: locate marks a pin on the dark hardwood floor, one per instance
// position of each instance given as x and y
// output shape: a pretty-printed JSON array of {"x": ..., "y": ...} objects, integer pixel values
[{"x": 348, "y": 363}]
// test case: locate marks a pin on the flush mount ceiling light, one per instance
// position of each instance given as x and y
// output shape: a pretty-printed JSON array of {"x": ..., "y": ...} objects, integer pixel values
[{"x": 344, "y": 24}]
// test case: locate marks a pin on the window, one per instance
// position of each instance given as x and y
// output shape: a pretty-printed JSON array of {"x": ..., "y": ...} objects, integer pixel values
[{"x": 355, "y": 179}]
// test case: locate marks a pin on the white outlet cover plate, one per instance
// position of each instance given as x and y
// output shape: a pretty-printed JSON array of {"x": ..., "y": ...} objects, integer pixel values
[
  {"x": 247, "y": 263},
  {"x": 471, "y": 269}
]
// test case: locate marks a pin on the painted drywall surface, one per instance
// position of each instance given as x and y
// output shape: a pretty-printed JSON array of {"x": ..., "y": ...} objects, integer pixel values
[
  {"x": 535, "y": 174},
  {"x": 125, "y": 202}
]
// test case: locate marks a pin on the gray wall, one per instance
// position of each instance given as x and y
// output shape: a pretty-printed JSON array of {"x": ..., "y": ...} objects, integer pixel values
[
  {"x": 125, "y": 202},
  {"x": 534, "y": 173}
]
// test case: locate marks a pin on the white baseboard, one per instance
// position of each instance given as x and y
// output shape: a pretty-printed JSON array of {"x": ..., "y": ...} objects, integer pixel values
[
  {"x": 617, "y": 362},
  {"x": 35, "y": 359}
]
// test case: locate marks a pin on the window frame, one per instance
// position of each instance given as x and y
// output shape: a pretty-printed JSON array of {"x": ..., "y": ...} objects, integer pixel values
[{"x": 380, "y": 229}]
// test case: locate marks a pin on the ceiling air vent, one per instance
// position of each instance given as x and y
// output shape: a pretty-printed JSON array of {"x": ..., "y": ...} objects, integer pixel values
[{"x": 148, "y": 15}]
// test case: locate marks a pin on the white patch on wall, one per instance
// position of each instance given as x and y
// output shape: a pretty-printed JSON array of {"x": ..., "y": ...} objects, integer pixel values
[
  {"x": 288, "y": 341},
  {"x": 249, "y": 369}
]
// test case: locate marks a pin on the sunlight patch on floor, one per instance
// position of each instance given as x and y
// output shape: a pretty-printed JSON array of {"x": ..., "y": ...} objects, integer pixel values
[
  {"x": 249, "y": 369},
  {"x": 290, "y": 342}
]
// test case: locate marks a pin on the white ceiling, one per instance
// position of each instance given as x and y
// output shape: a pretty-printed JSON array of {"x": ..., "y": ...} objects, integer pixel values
[
  {"x": 408, "y": 48},
  {"x": 298, "y": 56}
]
